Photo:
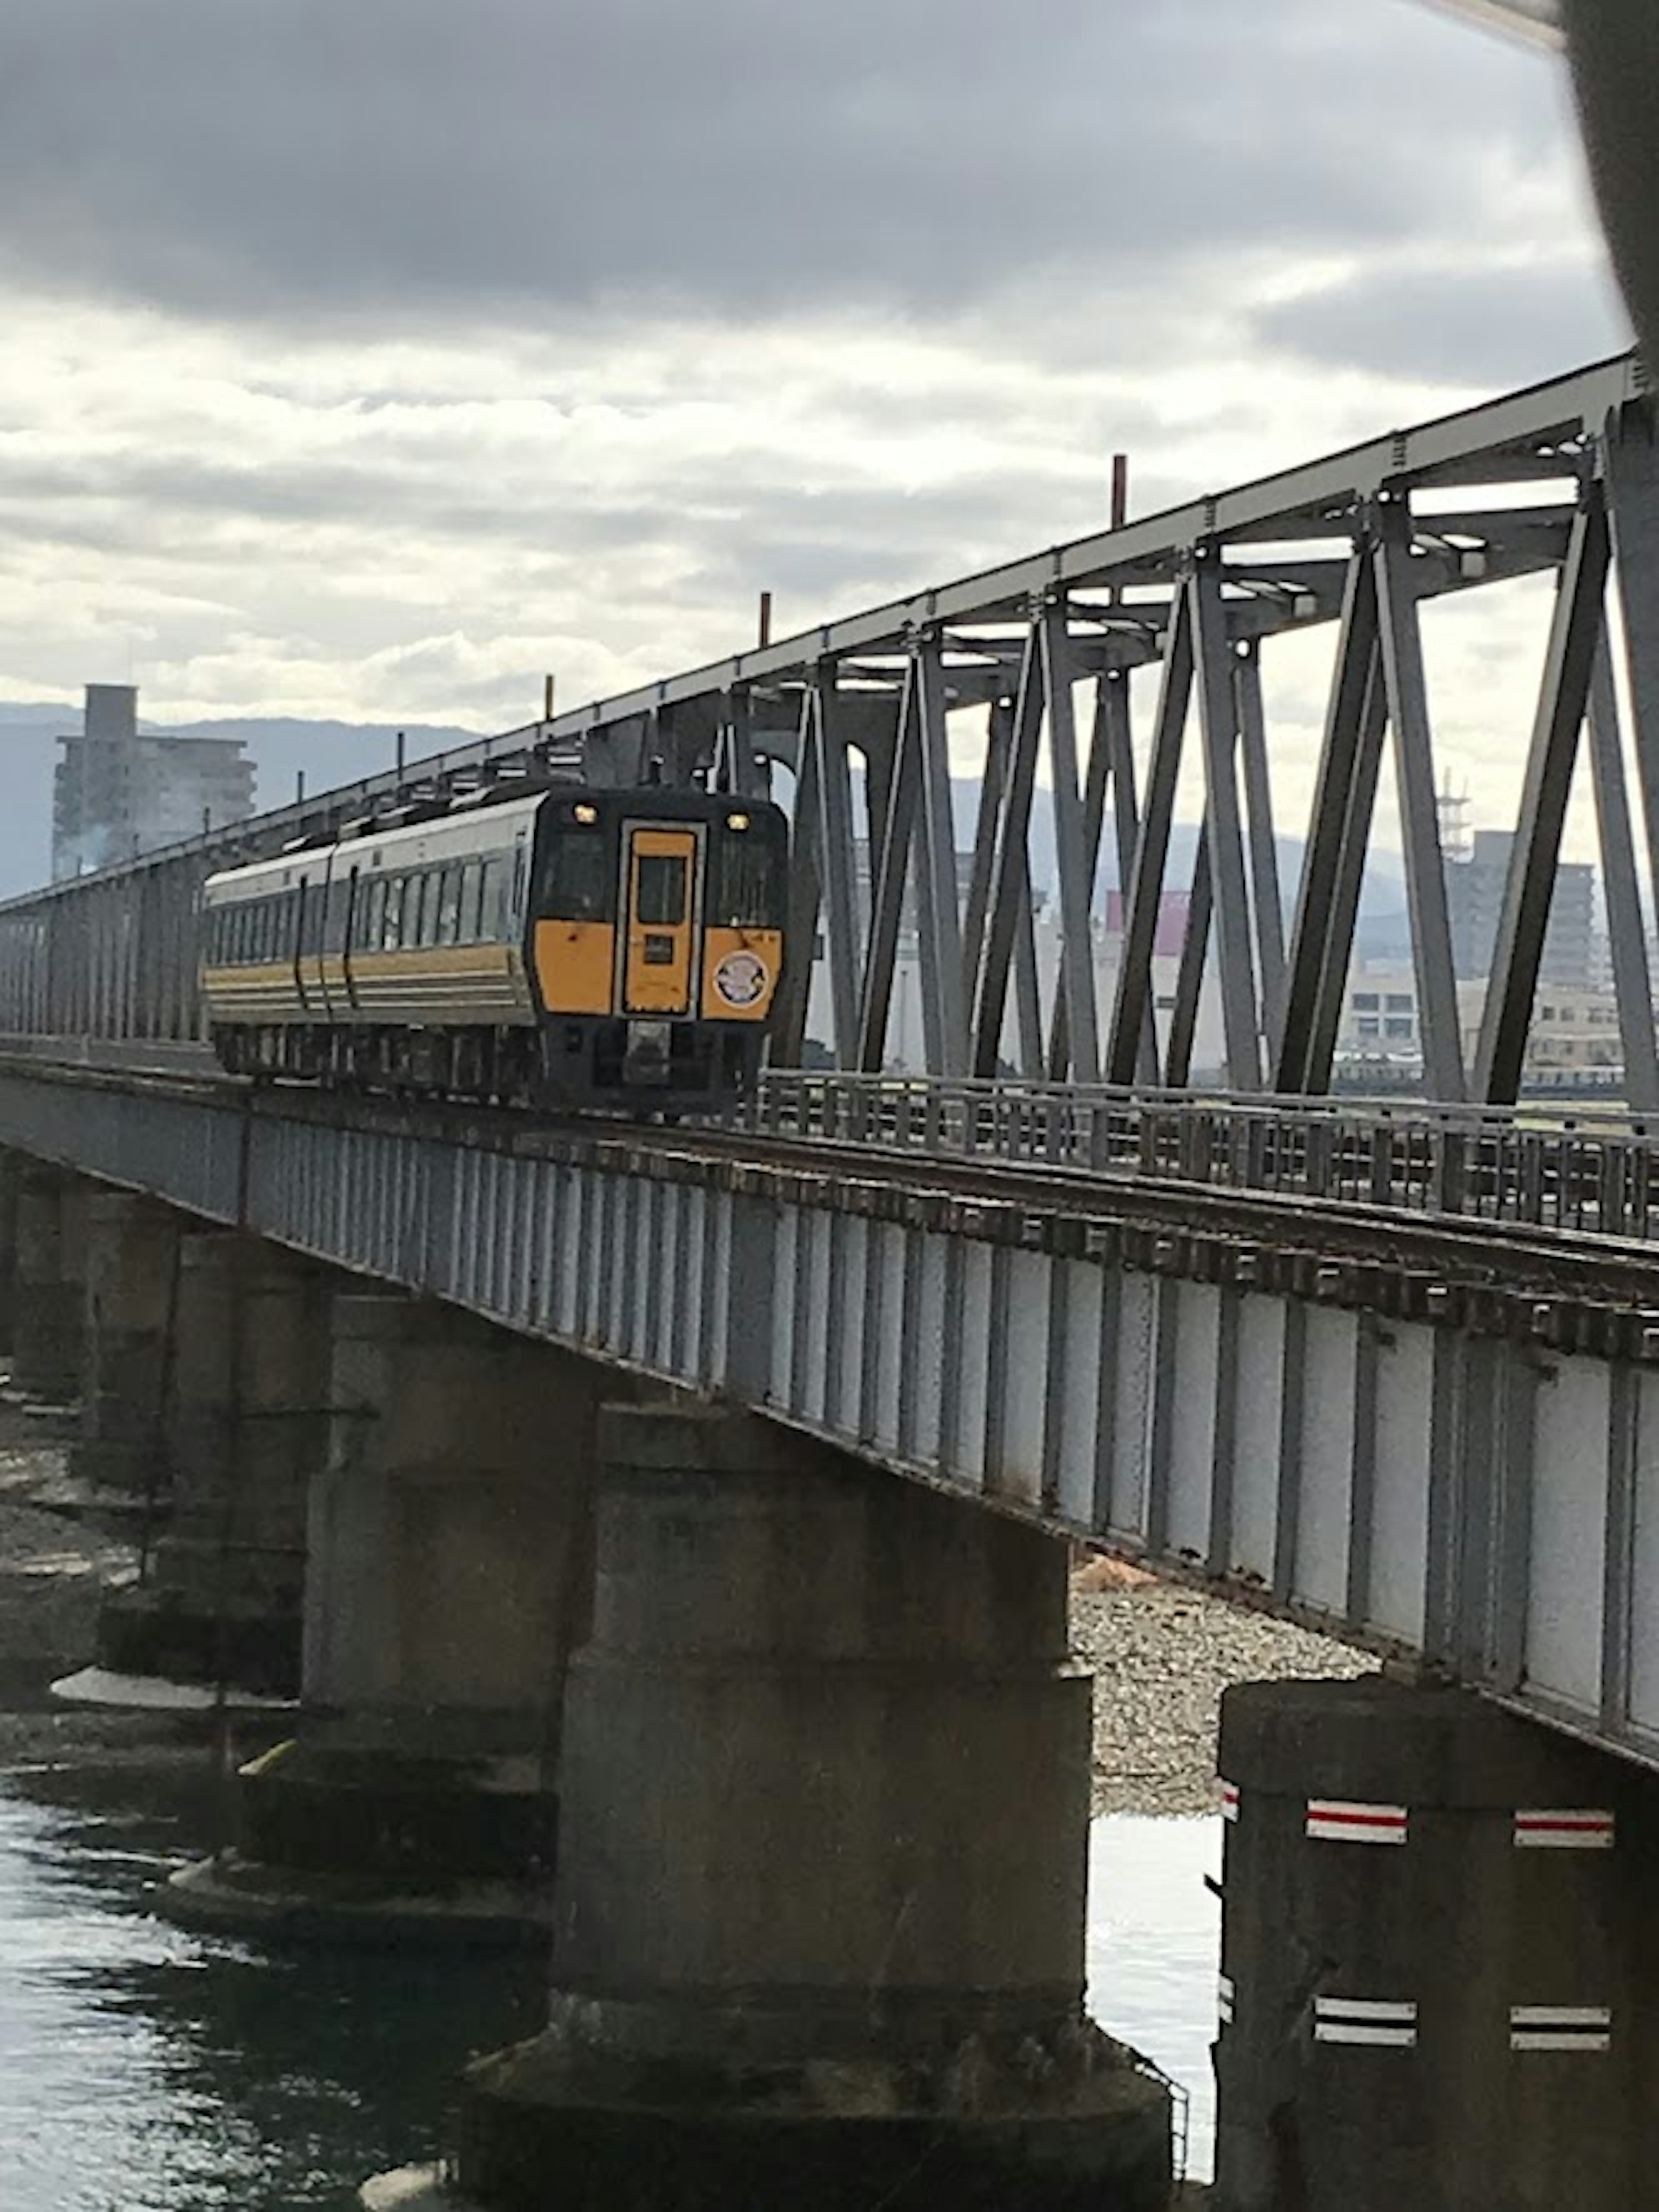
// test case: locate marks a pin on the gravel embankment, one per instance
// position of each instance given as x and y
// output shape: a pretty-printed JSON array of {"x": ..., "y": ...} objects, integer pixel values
[{"x": 1162, "y": 1656}]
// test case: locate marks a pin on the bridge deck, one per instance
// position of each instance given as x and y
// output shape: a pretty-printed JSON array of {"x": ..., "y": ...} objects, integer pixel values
[{"x": 1227, "y": 1347}]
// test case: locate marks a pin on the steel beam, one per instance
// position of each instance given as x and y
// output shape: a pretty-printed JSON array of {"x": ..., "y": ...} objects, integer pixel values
[
  {"x": 836, "y": 867},
  {"x": 1264, "y": 849},
  {"x": 889, "y": 873},
  {"x": 1133, "y": 997},
  {"x": 1575, "y": 637},
  {"x": 1189, "y": 975},
  {"x": 805, "y": 899},
  {"x": 1330, "y": 835},
  {"x": 1631, "y": 453},
  {"x": 1627, "y": 941},
  {"x": 1077, "y": 969},
  {"x": 939, "y": 912},
  {"x": 1419, "y": 824},
  {"x": 1011, "y": 893},
  {"x": 1224, "y": 830}
]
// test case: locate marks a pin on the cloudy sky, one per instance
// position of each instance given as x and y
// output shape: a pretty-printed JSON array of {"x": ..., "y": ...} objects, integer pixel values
[{"x": 366, "y": 360}]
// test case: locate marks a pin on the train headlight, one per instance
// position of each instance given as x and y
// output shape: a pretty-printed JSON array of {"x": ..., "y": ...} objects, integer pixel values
[
  {"x": 737, "y": 821},
  {"x": 585, "y": 814}
]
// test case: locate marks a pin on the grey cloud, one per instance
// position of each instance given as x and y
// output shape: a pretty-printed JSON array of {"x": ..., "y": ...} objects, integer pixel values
[
  {"x": 309, "y": 162},
  {"x": 1497, "y": 326},
  {"x": 729, "y": 526}
]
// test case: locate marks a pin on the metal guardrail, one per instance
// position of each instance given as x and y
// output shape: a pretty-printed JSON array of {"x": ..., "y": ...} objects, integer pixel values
[{"x": 1590, "y": 1174}]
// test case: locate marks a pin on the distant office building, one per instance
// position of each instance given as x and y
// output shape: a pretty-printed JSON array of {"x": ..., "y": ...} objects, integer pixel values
[
  {"x": 1474, "y": 902},
  {"x": 117, "y": 794},
  {"x": 1573, "y": 1040}
]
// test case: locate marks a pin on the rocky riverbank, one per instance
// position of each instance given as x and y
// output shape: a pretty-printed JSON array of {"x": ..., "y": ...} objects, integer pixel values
[{"x": 1162, "y": 1656}]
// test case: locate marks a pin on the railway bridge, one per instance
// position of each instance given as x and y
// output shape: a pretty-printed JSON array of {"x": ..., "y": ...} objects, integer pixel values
[{"x": 635, "y": 1508}]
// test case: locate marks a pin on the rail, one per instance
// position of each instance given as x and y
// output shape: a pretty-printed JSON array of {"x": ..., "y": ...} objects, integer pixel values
[{"x": 1590, "y": 1174}]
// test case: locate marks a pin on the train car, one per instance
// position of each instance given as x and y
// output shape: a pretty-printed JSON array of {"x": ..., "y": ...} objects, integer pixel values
[{"x": 571, "y": 946}]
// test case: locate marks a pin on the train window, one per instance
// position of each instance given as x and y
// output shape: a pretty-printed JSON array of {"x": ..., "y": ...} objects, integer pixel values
[
  {"x": 428, "y": 928},
  {"x": 472, "y": 896},
  {"x": 576, "y": 885},
  {"x": 449, "y": 905},
  {"x": 338, "y": 911},
  {"x": 493, "y": 899},
  {"x": 312, "y": 899},
  {"x": 660, "y": 887},
  {"x": 392, "y": 936},
  {"x": 372, "y": 914},
  {"x": 743, "y": 895}
]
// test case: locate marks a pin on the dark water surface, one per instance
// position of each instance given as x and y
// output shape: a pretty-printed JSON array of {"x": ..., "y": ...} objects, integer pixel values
[{"x": 144, "y": 2068}]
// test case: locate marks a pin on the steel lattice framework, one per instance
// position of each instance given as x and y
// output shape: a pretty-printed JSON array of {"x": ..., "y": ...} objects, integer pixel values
[{"x": 1035, "y": 665}]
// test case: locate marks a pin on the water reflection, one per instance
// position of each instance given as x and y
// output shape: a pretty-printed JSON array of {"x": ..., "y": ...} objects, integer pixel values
[
  {"x": 1154, "y": 1944},
  {"x": 144, "y": 2068}
]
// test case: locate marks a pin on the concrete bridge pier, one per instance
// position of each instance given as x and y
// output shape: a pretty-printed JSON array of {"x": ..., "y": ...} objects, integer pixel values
[
  {"x": 820, "y": 1913},
  {"x": 1440, "y": 1970},
  {"x": 128, "y": 1346},
  {"x": 50, "y": 1282},
  {"x": 446, "y": 1573},
  {"x": 221, "y": 1600}
]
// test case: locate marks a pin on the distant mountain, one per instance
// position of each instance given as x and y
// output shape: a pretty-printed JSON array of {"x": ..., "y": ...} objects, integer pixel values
[{"x": 328, "y": 753}]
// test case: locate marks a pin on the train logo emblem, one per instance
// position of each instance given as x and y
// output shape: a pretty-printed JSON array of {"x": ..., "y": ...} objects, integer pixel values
[{"x": 741, "y": 979}]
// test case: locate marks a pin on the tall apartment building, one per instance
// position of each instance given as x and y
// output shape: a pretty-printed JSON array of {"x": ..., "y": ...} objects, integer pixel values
[
  {"x": 1474, "y": 900},
  {"x": 117, "y": 794}
]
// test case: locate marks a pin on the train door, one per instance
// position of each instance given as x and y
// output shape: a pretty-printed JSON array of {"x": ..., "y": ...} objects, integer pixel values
[
  {"x": 308, "y": 942},
  {"x": 658, "y": 934}
]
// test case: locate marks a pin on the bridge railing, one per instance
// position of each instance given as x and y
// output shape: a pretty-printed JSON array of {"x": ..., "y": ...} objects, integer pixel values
[{"x": 1590, "y": 1173}]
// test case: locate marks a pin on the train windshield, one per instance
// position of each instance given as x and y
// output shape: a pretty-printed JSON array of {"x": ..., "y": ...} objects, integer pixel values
[
  {"x": 578, "y": 877},
  {"x": 746, "y": 880}
]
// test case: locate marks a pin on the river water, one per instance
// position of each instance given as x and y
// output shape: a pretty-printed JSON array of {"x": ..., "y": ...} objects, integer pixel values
[{"x": 146, "y": 2069}]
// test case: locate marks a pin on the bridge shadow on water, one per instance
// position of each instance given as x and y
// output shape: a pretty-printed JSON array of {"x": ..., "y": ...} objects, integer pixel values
[{"x": 144, "y": 2067}]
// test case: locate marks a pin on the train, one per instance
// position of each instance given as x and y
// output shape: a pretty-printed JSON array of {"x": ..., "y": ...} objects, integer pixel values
[{"x": 570, "y": 946}]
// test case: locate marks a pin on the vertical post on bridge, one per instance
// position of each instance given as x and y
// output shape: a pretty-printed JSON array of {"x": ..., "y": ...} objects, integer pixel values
[
  {"x": 1251, "y": 717},
  {"x": 1575, "y": 636},
  {"x": 1132, "y": 1006},
  {"x": 1218, "y": 707},
  {"x": 1419, "y": 824},
  {"x": 1008, "y": 928},
  {"x": 1074, "y": 849},
  {"x": 1627, "y": 941}
]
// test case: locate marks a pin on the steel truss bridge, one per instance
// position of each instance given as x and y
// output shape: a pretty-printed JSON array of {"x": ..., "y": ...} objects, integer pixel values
[
  {"x": 1032, "y": 673},
  {"x": 1391, "y": 1370}
]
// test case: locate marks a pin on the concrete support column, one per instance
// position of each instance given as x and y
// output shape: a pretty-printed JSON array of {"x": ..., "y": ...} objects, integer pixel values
[
  {"x": 246, "y": 1429},
  {"x": 1438, "y": 1959},
  {"x": 51, "y": 1320},
  {"x": 447, "y": 1571},
  {"x": 128, "y": 1347},
  {"x": 819, "y": 1933}
]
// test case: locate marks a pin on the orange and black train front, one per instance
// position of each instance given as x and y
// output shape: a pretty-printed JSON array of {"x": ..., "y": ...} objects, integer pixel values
[{"x": 656, "y": 936}]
